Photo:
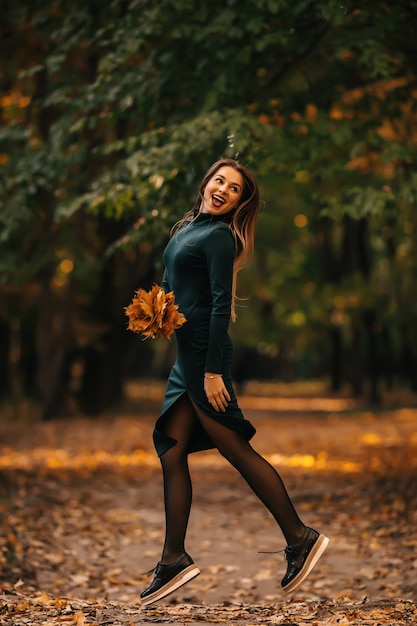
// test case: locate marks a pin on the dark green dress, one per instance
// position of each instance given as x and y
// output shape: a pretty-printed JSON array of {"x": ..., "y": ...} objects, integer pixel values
[{"x": 198, "y": 268}]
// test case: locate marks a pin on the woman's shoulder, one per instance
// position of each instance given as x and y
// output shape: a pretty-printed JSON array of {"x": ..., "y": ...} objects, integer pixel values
[
  {"x": 219, "y": 226},
  {"x": 219, "y": 236}
]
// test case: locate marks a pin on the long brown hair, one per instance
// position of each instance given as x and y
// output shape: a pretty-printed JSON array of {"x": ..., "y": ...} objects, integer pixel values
[{"x": 242, "y": 219}]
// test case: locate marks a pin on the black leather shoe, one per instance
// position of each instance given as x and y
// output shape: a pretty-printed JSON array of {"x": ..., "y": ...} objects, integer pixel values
[
  {"x": 168, "y": 578},
  {"x": 301, "y": 559}
]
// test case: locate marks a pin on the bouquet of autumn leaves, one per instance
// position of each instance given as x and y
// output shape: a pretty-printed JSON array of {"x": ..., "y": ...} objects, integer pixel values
[{"x": 154, "y": 313}]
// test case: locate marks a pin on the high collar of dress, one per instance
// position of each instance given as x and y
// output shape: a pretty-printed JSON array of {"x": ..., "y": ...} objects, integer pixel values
[{"x": 208, "y": 217}]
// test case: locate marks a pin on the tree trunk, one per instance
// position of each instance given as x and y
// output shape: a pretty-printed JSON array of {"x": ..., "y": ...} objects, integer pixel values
[
  {"x": 388, "y": 361},
  {"x": 336, "y": 361},
  {"x": 28, "y": 362},
  {"x": 4, "y": 359},
  {"x": 408, "y": 360},
  {"x": 373, "y": 356},
  {"x": 356, "y": 369},
  {"x": 102, "y": 381},
  {"x": 54, "y": 339}
]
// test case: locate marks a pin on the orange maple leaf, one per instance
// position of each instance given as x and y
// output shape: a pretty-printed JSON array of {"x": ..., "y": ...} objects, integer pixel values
[{"x": 154, "y": 313}]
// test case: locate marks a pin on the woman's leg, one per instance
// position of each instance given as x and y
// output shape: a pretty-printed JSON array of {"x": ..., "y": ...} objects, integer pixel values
[
  {"x": 305, "y": 545},
  {"x": 176, "y": 567},
  {"x": 178, "y": 424},
  {"x": 260, "y": 476}
]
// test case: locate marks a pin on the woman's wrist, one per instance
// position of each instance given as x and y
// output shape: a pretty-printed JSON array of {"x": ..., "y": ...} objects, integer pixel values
[{"x": 210, "y": 376}]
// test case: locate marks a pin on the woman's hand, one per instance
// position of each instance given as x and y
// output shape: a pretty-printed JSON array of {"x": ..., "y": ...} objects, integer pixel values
[{"x": 216, "y": 391}]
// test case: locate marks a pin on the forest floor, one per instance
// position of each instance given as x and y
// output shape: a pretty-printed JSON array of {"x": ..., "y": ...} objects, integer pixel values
[{"x": 82, "y": 517}]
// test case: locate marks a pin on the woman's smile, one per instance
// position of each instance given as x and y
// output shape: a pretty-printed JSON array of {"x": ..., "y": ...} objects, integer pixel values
[{"x": 222, "y": 192}]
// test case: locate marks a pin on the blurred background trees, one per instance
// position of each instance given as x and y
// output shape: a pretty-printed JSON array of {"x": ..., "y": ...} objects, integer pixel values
[{"x": 110, "y": 114}]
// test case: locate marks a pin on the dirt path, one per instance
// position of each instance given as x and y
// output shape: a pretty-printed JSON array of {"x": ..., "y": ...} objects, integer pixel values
[{"x": 82, "y": 519}]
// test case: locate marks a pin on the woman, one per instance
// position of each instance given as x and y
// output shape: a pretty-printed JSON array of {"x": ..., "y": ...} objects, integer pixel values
[{"x": 208, "y": 247}]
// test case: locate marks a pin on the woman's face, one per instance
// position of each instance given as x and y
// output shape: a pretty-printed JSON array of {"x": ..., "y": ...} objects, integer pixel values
[{"x": 223, "y": 191}]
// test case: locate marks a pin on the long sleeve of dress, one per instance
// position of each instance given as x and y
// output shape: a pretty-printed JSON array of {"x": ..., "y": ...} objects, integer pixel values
[
  {"x": 219, "y": 251},
  {"x": 165, "y": 283}
]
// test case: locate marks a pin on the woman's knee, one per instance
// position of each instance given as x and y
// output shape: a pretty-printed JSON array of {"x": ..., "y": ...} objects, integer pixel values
[
  {"x": 230, "y": 444},
  {"x": 174, "y": 457}
]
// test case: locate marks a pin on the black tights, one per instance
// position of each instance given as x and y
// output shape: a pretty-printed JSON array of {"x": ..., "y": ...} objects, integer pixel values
[{"x": 258, "y": 473}]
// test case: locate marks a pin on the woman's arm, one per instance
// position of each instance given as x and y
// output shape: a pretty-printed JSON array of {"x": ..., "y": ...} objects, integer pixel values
[
  {"x": 164, "y": 283},
  {"x": 220, "y": 253}
]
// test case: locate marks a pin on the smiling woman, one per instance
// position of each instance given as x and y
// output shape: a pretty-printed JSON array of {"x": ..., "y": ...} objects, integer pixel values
[
  {"x": 222, "y": 192},
  {"x": 208, "y": 247}
]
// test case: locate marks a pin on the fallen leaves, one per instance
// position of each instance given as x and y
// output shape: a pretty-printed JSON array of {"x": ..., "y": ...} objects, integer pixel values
[
  {"x": 79, "y": 618},
  {"x": 82, "y": 519},
  {"x": 154, "y": 313},
  {"x": 32, "y": 610},
  {"x": 56, "y": 459},
  {"x": 19, "y": 611}
]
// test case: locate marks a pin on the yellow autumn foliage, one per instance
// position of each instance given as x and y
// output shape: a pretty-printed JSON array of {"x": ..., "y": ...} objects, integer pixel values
[{"x": 154, "y": 313}]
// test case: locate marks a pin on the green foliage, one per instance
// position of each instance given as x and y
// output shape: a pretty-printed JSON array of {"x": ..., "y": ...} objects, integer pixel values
[{"x": 112, "y": 111}]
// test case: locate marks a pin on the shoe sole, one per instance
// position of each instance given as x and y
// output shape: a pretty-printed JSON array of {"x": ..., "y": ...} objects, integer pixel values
[
  {"x": 315, "y": 553},
  {"x": 180, "y": 579}
]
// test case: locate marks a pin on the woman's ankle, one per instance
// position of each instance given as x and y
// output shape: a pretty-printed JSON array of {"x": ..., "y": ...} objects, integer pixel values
[
  {"x": 298, "y": 538},
  {"x": 168, "y": 558}
]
